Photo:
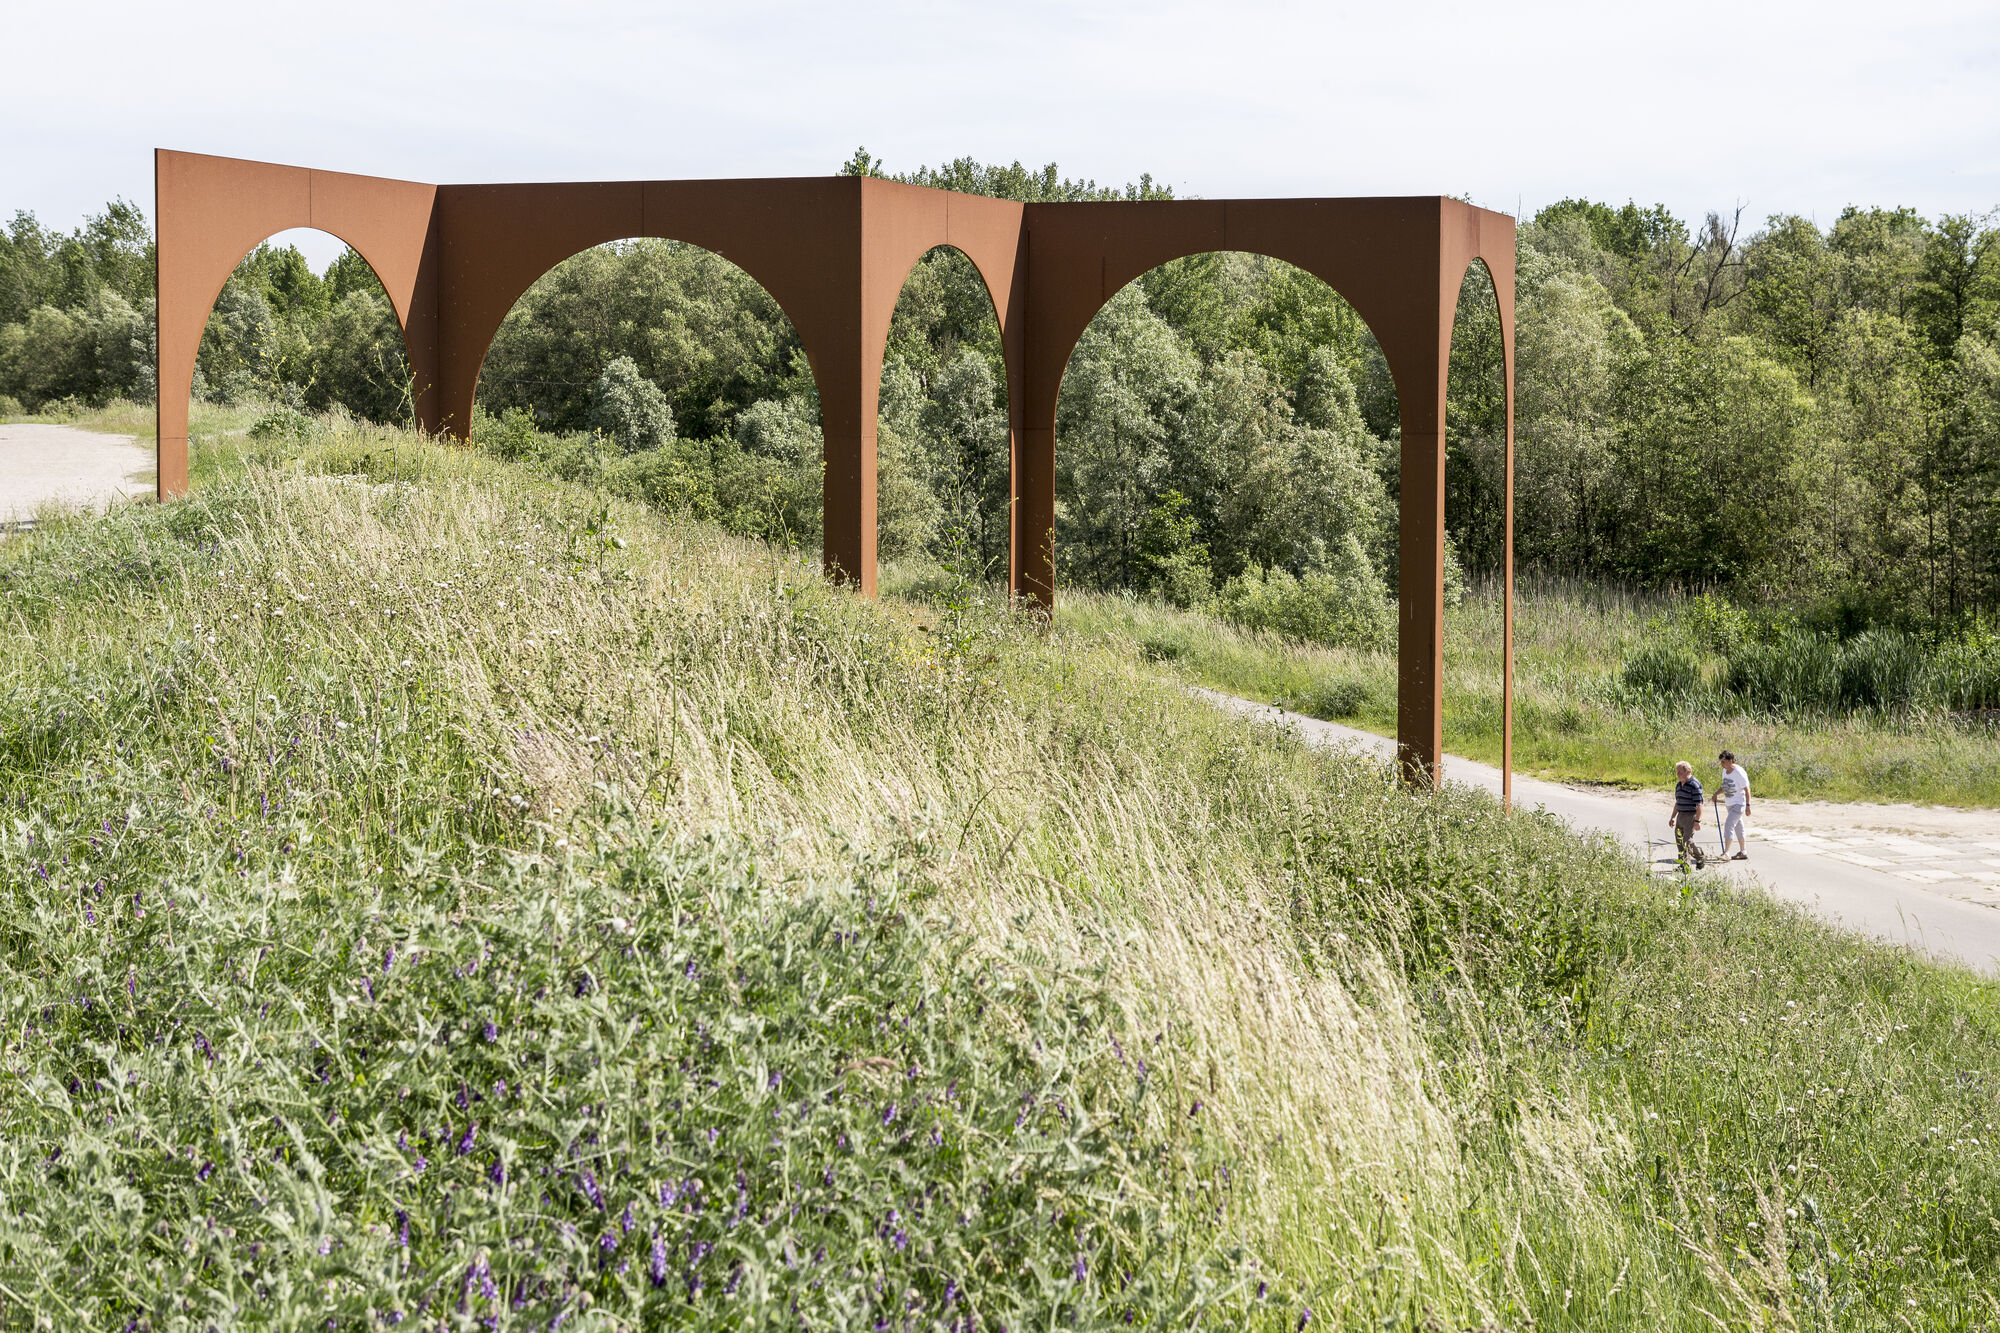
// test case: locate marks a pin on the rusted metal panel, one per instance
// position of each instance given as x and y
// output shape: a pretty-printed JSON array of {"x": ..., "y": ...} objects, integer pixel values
[
  {"x": 209, "y": 212},
  {"x": 834, "y": 253}
]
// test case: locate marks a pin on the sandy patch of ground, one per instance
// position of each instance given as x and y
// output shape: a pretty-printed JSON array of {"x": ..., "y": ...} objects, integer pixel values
[{"x": 61, "y": 465}]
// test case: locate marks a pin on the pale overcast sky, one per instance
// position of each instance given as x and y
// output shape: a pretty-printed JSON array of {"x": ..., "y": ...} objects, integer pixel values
[{"x": 1794, "y": 107}]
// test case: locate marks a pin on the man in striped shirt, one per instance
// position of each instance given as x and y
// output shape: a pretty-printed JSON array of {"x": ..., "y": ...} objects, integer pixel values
[{"x": 1686, "y": 818}]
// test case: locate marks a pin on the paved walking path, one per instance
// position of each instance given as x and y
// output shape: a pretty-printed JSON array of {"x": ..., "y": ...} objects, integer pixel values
[
  {"x": 63, "y": 465},
  {"x": 1919, "y": 875}
]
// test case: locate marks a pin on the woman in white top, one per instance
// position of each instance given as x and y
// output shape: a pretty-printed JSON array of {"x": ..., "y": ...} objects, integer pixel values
[{"x": 1735, "y": 793}]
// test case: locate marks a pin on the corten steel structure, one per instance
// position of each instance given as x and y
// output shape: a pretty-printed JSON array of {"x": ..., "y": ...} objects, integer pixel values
[{"x": 834, "y": 252}]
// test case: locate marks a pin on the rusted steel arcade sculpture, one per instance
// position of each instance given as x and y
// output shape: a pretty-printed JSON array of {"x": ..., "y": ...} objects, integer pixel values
[{"x": 834, "y": 252}]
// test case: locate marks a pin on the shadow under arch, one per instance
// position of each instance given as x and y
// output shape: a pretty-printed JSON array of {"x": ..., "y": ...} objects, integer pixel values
[
  {"x": 211, "y": 213},
  {"x": 967, "y": 506}
]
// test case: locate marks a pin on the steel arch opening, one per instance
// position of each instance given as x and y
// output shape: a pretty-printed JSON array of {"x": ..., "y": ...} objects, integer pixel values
[
  {"x": 282, "y": 334},
  {"x": 943, "y": 456},
  {"x": 663, "y": 369}
]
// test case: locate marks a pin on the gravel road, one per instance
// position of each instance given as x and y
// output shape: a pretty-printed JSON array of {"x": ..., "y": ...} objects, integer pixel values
[
  {"x": 42, "y": 465},
  {"x": 1924, "y": 876}
]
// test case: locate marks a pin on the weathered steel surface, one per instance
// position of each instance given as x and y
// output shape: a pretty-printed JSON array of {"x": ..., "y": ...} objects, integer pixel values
[{"x": 834, "y": 253}]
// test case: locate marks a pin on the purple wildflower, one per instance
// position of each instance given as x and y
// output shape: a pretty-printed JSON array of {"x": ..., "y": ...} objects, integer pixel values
[
  {"x": 402, "y": 1228},
  {"x": 1305, "y": 1317},
  {"x": 657, "y": 1270},
  {"x": 889, "y": 1116},
  {"x": 590, "y": 1189},
  {"x": 491, "y": 1033},
  {"x": 625, "y": 1220},
  {"x": 498, "y": 1175},
  {"x": 465, "y": 1143},
  {"x": 207, "y": 1170},
  {"x": 1080, "y": 1270}
]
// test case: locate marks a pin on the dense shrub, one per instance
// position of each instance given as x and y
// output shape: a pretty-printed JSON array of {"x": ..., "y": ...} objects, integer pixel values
[
  {"x": 98, "y": 350},
  {"x": 1339, "y": 696},
  {"x": 1341, "y": 602},
  {"x": 1965, "y": 673},
  {"x": 1881, "y": 669},
  {"x": 1794, "y": 670},
  {"x": 1780, "y": 668},
  {"x": 1663, "y": 671},
  {"x": 629, "y": 410},
  {"x": 667, "y": 478}
]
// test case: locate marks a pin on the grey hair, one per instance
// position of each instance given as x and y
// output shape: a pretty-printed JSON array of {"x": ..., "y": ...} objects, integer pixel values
[{"x": 1683, "y": 766}]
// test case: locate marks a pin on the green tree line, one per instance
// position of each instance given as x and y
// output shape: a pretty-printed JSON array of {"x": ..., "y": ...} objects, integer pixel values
[{"x": 1799, "y": 415}]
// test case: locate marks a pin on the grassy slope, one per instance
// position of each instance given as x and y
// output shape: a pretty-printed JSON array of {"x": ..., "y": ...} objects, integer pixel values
[
  {"x": 1567, "y": 724},
  {"x": 461, "y": 890}
]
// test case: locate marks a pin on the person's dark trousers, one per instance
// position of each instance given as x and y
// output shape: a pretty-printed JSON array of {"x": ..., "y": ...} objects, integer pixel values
[{"x": 1684, "y": 843}]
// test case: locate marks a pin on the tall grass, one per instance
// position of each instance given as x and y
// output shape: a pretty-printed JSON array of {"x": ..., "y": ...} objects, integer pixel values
[
  {"x": 436, "y": 895},
  {"x": 1610, "y": 688}
]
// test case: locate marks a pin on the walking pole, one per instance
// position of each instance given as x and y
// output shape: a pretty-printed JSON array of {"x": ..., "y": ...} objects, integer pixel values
[{"x": 1721, "y": 842}]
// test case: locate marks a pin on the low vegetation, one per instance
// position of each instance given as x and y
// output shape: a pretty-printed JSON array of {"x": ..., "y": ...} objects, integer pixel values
[
  {"x": 1615, "y": 686},
  {"x": 438, "y": 895}
]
